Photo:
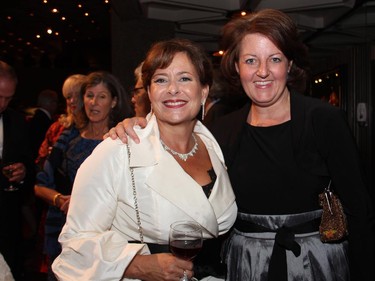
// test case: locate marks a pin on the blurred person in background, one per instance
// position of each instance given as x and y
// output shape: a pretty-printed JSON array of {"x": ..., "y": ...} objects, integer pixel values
[
  {"x": 71, "y": 90},
  {"x": 220, "y": 101},
  {"x": 140, "y": 100},
  {"x": 16, "y": 157},
  {"x": 44, "y": 116},
  {"x": 105, "y": 103}
]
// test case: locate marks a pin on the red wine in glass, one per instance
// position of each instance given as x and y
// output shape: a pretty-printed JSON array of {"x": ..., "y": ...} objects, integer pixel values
[
  {"x": 185, "y": 249},
  {"x": 185, "y": 241}
]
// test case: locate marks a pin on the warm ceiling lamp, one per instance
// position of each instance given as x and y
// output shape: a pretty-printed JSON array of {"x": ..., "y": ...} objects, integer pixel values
[
  {"x": 218, "y": 53},
  {"x": 237, "y": 13}
]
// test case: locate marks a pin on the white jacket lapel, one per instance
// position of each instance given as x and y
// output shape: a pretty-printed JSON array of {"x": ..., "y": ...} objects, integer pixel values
[{"x": 170, "y": 181}]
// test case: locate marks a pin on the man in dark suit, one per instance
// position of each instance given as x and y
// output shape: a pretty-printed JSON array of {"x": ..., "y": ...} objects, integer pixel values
[
  {"x": 14, "y": 149},
  {"x": 43, "y": 118}
]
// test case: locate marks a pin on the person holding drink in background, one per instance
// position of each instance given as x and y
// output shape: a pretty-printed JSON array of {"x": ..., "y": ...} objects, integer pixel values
[
  {"x": 17, "y": 177},
  {"x": 124, "y": 195}
]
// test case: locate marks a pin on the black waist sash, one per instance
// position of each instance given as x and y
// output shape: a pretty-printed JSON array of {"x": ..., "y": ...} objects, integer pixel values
[
  {"x": 158, "y": 248},
  {"x": 155, "y": 248},
  {"x": 284, "y": 240}
]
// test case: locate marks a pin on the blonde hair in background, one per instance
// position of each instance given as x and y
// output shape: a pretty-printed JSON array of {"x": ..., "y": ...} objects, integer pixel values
[{"x": 72, "y": 85}]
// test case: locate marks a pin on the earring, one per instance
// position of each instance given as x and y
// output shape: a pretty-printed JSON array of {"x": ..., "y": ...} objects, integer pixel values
[{"x": 203, "y": 109}]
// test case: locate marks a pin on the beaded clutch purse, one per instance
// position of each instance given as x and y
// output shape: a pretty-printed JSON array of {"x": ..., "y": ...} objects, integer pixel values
[{"x": 333, "y": 226}]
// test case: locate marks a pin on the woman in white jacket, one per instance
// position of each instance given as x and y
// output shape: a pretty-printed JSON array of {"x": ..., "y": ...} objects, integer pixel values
[{"x": 179, "y": 174}]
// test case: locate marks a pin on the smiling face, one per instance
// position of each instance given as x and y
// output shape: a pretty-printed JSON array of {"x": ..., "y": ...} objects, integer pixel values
[
  {"x": 98, "y": 103},
  {"x": 263, "y": 70},
  {"x": 175, "y": 92}
]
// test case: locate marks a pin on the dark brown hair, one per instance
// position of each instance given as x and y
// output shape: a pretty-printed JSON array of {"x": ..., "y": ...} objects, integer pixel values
[
  {"x": 162, "y": 53},
  {"x": 122, "y": 108},
  {"x": 277, "y": 27}
]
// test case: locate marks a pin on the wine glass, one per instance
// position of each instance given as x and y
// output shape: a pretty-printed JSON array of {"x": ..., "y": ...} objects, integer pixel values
[
  {"x": 7, "y": 171},
  {"x": 185, "y": 241}
]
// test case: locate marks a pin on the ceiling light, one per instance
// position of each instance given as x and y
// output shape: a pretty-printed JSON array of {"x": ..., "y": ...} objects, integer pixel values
[
  {"x": 237, "y": 13},
  {"x": 218, "y": 53}
]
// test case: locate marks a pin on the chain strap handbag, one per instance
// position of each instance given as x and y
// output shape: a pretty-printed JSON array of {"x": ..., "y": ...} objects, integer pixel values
[
  {"x": 333, "y": 225},
  {"x": 140, "y": 230}
]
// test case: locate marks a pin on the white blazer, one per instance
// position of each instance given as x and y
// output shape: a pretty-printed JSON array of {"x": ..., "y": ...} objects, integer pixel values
[{"x": 102, "y": 217}]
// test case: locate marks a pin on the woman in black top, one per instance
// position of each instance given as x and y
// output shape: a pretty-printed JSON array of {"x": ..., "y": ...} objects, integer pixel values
[{"x": 282, "y": 150}]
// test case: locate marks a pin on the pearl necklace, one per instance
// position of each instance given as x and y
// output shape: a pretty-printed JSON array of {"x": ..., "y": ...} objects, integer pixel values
[{"x": 182, "y": 156}]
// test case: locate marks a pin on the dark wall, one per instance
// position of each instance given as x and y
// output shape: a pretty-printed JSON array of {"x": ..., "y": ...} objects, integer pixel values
[{"x": 130, "y": 41}]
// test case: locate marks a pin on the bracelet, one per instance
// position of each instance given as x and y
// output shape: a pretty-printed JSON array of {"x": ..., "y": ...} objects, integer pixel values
[{"x": 55, "y": 198}]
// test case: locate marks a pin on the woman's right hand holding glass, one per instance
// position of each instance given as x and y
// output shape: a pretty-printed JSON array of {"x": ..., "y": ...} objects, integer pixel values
[
  {"x": 125, "y": 128},
  {"x": 158, "y": 267}
]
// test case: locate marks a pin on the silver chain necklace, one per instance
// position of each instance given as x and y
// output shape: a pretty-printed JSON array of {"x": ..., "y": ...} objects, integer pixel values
[{"x": 182, "y": 156}]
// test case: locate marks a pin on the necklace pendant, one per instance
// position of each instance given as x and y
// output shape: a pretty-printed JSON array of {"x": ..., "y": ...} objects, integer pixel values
[{"x": 182, "y": 156}]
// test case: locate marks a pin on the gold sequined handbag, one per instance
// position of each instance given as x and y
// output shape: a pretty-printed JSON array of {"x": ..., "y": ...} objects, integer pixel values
[{"x": 333, "y": 225}]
